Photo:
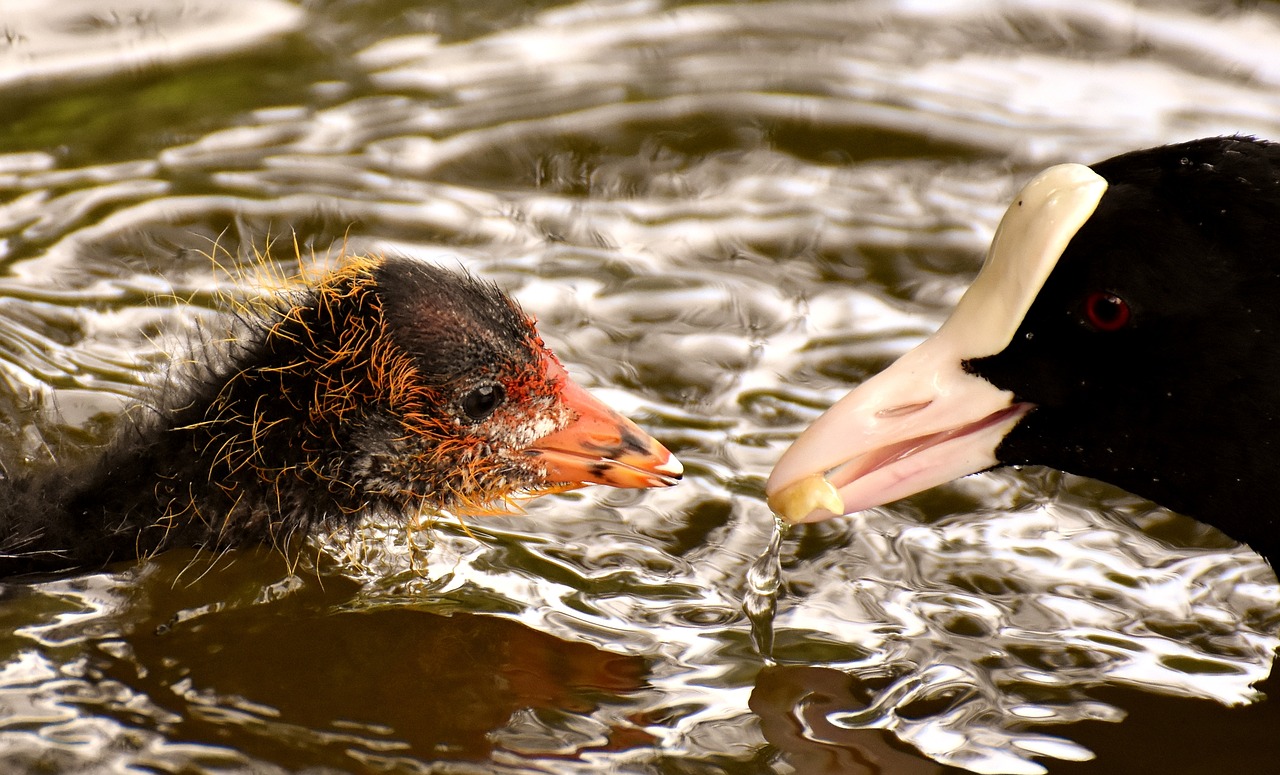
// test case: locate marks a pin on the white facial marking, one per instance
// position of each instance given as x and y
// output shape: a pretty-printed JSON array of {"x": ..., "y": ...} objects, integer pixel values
[{"x": 1031, "y": 238}]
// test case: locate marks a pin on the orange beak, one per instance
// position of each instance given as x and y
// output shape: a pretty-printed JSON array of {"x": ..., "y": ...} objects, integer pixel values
[{"x": 600, "y": 446}]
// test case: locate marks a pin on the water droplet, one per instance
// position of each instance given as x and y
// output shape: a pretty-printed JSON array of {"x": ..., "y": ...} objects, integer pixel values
[{"x": 761, "y": 601}]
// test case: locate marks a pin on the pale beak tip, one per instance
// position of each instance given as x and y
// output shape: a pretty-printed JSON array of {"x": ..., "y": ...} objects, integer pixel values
[
  {"x": 811, "y": 499},
  {"x": 671, "y": 468}
]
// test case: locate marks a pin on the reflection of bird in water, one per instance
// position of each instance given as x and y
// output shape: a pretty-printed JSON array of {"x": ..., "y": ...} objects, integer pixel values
[
  {"x": 447, "y": 687},
  {"x": 388, "y": 385},
  {"x": 1126, "y": 326}
]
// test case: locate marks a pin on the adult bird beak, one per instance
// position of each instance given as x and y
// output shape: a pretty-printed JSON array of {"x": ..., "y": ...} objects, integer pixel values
[
  {"x": 925, "y": 420},
  {"x": 600, "y": 446}
]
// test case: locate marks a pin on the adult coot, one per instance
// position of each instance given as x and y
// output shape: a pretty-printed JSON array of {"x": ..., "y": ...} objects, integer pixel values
[{"x": 1125, "y": 326}]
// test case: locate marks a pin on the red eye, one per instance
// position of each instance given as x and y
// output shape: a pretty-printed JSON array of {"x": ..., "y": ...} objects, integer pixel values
[{"x": 1106, "y": 311}]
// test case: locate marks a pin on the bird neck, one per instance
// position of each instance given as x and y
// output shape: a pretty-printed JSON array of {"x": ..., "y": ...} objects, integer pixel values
[{"x": 1199, "y": 468}]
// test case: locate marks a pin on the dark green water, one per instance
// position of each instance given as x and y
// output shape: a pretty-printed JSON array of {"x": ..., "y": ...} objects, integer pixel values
[{"x": 722, "y": 216}]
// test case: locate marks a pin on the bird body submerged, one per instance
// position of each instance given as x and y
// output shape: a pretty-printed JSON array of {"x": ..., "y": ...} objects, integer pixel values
[
  {"x": 388, "y": 385},
  {"x": 1126, "y": 327}
]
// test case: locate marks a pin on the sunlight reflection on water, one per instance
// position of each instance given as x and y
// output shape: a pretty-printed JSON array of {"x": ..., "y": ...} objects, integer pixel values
[{"x": 722, "y": 216}]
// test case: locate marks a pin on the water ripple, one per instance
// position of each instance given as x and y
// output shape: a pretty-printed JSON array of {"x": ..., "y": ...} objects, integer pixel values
[{"x": 722, "y": 215}]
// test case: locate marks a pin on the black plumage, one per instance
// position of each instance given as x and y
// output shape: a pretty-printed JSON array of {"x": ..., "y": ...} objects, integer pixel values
[
  {"x": 1146, "y": 353},
  {"x": 388, "y": 385},
  {"x": 1182, "y": 403}
]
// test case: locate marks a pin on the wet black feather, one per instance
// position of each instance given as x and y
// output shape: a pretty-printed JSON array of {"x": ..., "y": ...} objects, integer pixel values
[{"x": 181, "y": 471}]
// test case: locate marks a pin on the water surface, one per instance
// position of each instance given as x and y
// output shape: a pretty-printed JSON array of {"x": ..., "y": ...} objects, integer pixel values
[{"x": 723, "y": 215}]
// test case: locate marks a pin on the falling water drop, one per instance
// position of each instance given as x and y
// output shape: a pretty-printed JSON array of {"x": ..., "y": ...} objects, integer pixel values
[{"x": 761, "y": 601}]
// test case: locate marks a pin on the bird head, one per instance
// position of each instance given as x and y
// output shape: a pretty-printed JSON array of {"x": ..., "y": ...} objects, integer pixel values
[
  {"x": 426, "y": 388},
  {"x": 1122, "y": 327}
]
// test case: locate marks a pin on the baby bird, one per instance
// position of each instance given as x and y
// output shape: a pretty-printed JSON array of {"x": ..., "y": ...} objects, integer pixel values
[{"x": 388, "y": 386}]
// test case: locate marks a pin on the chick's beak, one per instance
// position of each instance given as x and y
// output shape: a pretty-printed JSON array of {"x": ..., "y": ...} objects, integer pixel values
[{"x": 600, "y": 446}]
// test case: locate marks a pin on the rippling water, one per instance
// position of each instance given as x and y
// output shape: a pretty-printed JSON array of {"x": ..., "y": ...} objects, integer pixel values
[{"x": 722, "y": 215}]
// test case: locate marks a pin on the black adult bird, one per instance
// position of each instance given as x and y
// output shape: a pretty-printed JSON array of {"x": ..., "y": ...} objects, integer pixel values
[
  {"x": 387, "y": 385},
  {"x": 1125, "y": 326}
]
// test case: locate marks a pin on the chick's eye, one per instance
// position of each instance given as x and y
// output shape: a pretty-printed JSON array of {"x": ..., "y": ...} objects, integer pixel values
[
  {"x": 1105, "y": 311},
  {"x": 481, "y": 401}
]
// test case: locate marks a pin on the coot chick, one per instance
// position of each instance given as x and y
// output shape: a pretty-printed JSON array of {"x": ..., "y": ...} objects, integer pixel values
[
  {"x": 388, "y": 385},
  {"x": 1125, "y": 327}
]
